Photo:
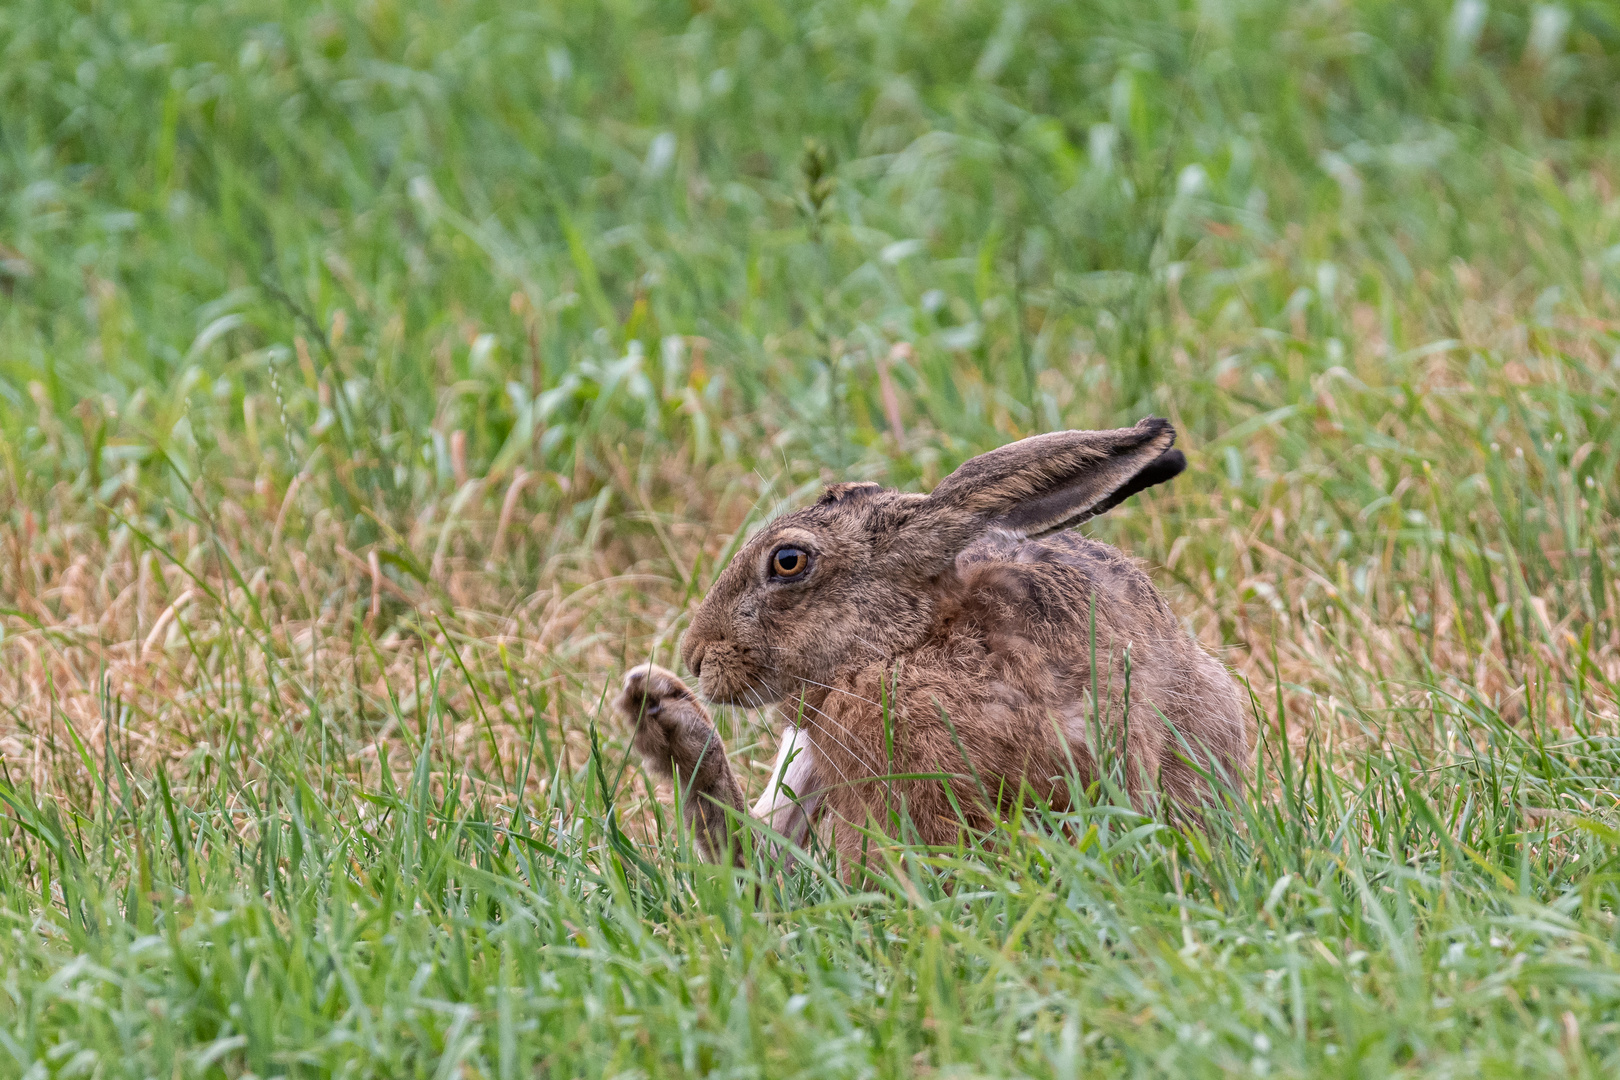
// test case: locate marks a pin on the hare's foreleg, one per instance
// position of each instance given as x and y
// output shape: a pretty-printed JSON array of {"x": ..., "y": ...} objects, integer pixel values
[{"x": 678, "y": 742}]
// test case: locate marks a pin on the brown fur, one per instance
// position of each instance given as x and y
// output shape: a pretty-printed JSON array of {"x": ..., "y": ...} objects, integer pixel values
[{"x": 937, "y": 634}]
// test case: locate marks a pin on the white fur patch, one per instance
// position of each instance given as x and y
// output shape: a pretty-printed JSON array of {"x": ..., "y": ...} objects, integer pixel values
[{"x": 794, "y": 770}]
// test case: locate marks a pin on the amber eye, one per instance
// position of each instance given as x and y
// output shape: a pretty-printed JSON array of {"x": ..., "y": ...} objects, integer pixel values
[{"x": 789, "y": 562}]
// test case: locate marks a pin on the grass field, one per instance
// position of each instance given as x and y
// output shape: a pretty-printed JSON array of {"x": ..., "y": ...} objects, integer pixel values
[{"x": 377, "y": 381}]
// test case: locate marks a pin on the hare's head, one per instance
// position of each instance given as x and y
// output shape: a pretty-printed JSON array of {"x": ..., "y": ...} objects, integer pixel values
[{"x": 862, "y": 571}]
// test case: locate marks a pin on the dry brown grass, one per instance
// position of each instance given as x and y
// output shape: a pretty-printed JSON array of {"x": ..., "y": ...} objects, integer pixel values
[{"x": 254, "y": 620}]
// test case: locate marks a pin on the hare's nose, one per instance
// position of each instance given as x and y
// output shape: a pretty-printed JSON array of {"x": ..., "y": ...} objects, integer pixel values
[{"x": 695, "y": 660}]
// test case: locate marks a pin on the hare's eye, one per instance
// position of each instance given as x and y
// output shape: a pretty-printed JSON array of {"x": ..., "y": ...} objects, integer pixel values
[{"x": 789, "y": 562}]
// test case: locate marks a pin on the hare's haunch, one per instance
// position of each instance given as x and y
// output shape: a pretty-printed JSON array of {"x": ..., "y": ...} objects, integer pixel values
[{"x": 950, "y": 634}]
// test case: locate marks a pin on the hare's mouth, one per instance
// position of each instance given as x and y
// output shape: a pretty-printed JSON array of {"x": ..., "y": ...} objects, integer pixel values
[
  {"x": 731, "y": 673},
  {"x": 745, "y": 695},
  {"x": 721, "y": 687}
]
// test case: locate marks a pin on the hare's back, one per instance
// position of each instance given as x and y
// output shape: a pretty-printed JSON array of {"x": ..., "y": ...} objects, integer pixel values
[
  {"x": 1056, "y": 586},
  {"x": 1033, "y": 613}
]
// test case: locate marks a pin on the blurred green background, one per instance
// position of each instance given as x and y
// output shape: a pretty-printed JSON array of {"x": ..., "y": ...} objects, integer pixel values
[{"x": 515, "y": 220}]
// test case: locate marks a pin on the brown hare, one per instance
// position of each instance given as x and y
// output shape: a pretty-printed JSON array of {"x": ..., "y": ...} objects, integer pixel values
[{"x": 946, "y": 635}]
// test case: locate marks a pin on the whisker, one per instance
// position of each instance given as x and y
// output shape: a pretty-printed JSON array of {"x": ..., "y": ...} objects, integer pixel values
[
  {"x": 840, "y": 690},
  {"x": 825, "y": 686},
  {"x": 755, "y": 691},
  {"x": 805, "y": 722},
  {"x": 821, "y": 759},
  {"x": 833, "y": 735},
  {"x": 847, "y": 693},
  {"x": 825, "y": 729}
]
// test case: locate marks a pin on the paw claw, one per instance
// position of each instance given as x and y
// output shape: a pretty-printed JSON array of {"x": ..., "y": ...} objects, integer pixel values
[{"x": 646, "y": 688}]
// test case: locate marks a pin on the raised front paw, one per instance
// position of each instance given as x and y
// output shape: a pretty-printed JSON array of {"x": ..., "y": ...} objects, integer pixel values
[
  {"x": 647, "y": 689},
  {"x": 667, "y": 717}
]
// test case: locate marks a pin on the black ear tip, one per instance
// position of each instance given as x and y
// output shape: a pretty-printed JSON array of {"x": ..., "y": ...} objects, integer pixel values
[
  {"x": 1169, "y": 464},
  {"x": 1166, "y": 466}
]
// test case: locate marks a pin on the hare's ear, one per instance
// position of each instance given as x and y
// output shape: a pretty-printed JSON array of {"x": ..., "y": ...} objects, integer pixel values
[
  {"x": 1049, "y": 482},
  {"x": 855, "y": 489}
]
